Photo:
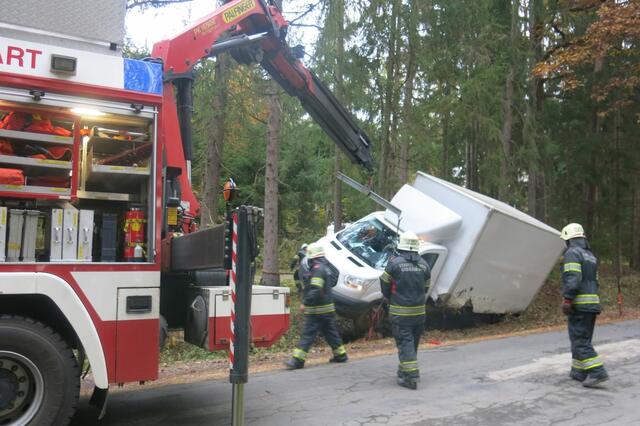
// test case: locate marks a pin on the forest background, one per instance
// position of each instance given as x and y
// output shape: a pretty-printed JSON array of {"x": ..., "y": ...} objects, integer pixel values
[{"x": 533, "y": 102}]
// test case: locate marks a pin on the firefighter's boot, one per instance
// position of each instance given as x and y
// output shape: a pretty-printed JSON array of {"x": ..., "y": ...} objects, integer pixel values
[
  {"x": 595, "y": 379},
  {"x": 339, "y": 353},
  {"x": 294, "y": 364},
  {"x": 408, "y": 382},
  {"x": 339, "y": 358},
  {"x": 578, "y": 375}
]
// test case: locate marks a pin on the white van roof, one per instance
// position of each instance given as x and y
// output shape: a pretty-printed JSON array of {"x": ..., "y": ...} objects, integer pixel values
[{"x": 424, "y": 216}]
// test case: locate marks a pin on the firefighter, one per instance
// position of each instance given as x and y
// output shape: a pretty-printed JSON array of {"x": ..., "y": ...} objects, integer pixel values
[
  {"x": 581, "y": 305},
  {"x": 295, "y": 263},
  {"x": 319, "y": 310},
  {"x": 404, "y": 284}
]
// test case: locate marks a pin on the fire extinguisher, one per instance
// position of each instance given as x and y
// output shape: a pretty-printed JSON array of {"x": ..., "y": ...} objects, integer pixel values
[{"x": 134, "y": 238}]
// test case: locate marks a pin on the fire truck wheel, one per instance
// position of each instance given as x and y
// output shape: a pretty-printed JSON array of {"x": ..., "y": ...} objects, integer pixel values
[{"x": 39, "y": 374}]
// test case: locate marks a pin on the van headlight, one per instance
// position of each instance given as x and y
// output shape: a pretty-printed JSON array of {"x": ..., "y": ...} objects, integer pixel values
[{"x": 355, "y": 283}]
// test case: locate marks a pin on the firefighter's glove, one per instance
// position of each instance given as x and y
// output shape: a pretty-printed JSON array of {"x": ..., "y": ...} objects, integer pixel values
[
  {"x": 385, "y": 301},
  {"x": 566, "y": 306}
]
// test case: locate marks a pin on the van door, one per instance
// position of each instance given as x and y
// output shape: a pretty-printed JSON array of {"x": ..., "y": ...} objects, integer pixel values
[{"x": 435, "y": 256}]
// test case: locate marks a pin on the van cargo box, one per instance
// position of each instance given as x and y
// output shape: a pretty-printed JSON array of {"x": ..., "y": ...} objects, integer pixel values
[{"x": 499, "y": 257}]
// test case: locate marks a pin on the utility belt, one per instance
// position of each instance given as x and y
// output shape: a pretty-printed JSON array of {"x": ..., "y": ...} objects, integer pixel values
[
  {"x": 407, "y": 311},
  {"x": 317, "y": 310}
]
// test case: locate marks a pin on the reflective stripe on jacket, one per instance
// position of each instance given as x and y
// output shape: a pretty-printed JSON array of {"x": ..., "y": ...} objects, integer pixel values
[
  {"x": 407, "y": 311},
  {"x": 325, "y": 309}
]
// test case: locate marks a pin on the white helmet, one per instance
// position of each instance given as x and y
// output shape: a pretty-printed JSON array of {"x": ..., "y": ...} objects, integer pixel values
[
  {"x": 304, "y": 246},
  {"x": 572, "y": 230},
  {"x": 409, "y": 242},
  {"x": 315, "y": 250}
]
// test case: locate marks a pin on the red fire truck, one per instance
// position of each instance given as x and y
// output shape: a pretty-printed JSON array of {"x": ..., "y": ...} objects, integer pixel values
[{"x": 99, "y": 244}]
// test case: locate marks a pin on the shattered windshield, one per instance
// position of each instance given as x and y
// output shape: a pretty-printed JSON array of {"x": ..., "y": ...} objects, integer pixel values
[{"x": 371, "y": 241}]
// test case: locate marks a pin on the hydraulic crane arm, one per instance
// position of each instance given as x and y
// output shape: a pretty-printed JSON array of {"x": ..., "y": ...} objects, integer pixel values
[{"x": 253, "y": 31}]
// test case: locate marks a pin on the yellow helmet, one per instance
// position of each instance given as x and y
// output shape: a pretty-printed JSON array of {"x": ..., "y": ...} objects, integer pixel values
[
  {"x": 409, "y": 242},
  {"x": 315, "y": 250},
  {"x": 572, "y": 230}
]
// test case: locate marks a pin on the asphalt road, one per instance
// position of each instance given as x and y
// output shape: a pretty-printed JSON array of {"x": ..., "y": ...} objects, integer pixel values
[{"x": 518, "y": 380}]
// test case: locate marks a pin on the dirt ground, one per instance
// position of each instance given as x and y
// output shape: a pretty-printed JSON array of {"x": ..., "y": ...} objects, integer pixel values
[{"x": 183, "y": 363}]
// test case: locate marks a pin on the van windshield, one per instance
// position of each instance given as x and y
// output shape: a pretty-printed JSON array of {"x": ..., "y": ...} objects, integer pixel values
[{"x": 371, "y": 241}]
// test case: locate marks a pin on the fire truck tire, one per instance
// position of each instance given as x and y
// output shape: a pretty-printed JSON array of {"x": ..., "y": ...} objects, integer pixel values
[{"x": 39, "y": 374}]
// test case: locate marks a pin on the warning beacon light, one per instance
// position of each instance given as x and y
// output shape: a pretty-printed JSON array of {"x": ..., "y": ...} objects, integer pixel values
[{"x": 229, "y": 190}]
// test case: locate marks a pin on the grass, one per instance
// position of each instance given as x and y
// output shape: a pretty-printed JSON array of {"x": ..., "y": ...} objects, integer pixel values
[{"x": 544, "y": 311}]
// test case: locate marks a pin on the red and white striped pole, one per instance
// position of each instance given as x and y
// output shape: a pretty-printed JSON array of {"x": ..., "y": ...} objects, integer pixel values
[
  {"x": 241, "y": 279},
  {"x": 232, "y": 285}
]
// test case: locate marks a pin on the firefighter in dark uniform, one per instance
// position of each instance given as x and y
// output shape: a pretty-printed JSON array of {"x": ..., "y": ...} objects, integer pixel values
[
  {"x": 404, "y": 284},
  {"x": 295, "y": 266},
  {"x": 319, "y": 310},
  {"x": 581, "y": 304}
]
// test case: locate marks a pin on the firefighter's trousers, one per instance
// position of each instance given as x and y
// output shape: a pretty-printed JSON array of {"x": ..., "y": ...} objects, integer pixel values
[
  {"x": 314, "y": 323},
  {"x": 407, "y": 331},
  {"x": 585, "y": 359}
]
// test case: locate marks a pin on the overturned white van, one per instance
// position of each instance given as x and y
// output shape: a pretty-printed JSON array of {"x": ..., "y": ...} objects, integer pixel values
[{"x": 484, "y": 254}]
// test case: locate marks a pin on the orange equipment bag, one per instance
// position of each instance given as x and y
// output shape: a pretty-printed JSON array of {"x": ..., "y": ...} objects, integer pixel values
[
  {"x": 5, "y": 147},
  {"x": 60, "y": 153},
  {"x": 44, "y": 125},
  {"x": 13, "y": 121},
  {"x": 11, "y": 177}
]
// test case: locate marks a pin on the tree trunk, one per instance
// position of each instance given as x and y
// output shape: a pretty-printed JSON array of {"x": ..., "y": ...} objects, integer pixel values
[
  {"x": 446, "y": 170},
  {"x": 472, "y": 156},
  {"x": 445, "y": 173},
  {"x": 270, "y": 273},
  {"x": 336, "y": 14},
  {"x": 592, "y": 198},
  {"x": 407, "y": 107},
  {"x": 635, "y": 234},
  {"x": 337, "y": 195},
  {"x": 217, "y": 130},
  {"x": 618, "y": 204},
  {"x": 389, "y": 99},
  {"x": 507, "y": 125},
  {"x": 592, "y": 184},
  {"x": 536, "y": 184}
]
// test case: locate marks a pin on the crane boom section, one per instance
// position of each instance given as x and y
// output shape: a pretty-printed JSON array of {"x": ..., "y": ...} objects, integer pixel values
[{"x": 253, "y": 31}]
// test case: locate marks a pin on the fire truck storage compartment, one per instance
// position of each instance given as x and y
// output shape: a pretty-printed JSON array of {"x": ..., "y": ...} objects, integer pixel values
[
  {"x": 72, "y": 171},
  {"x": 36, "y": 150},
  {"x": 212, "y": 331}
]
